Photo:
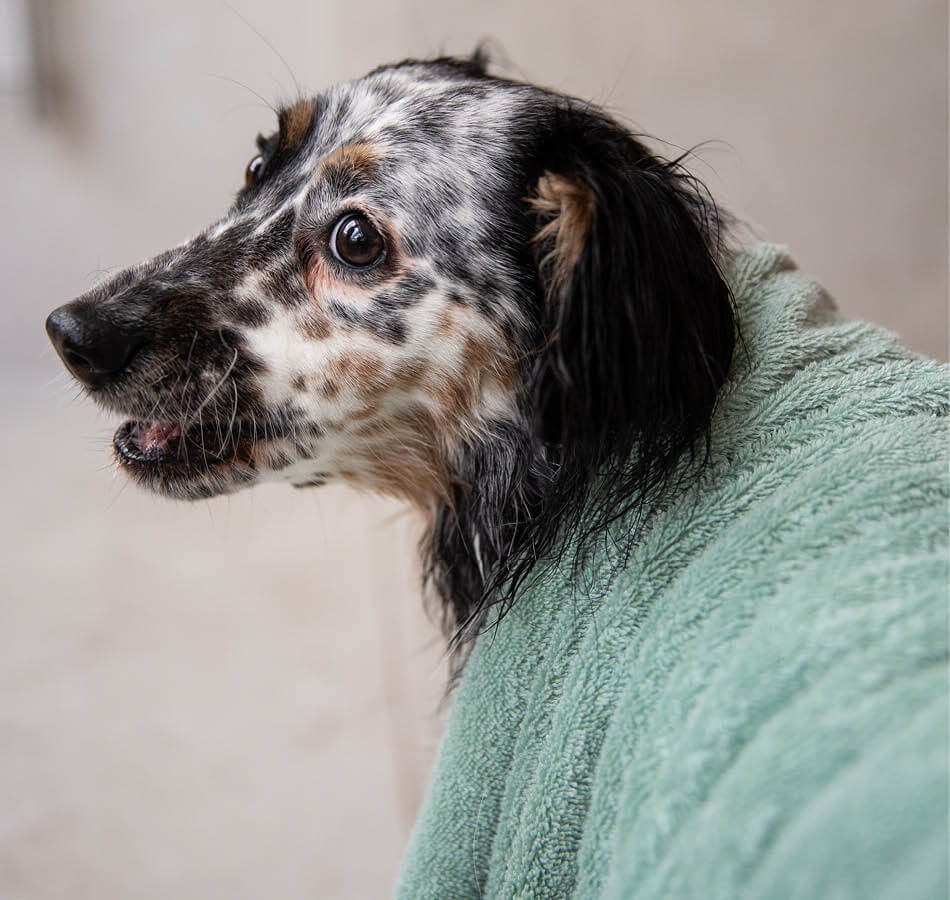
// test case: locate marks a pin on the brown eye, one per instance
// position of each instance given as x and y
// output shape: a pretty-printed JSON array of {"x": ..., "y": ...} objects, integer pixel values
[
  {"x": 356, "y": 242},
  {"x": 254, "y": 170}
]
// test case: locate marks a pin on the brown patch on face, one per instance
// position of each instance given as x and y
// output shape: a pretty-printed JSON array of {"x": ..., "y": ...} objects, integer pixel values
[
  {"x": 481, "y": 362},
  {"x": 405, "y": 417},
  {"x": 299, "y": 383},
  {"x": 372, "y": 428},
  {"x": 295, "y": 123},
  {"x": 456, "y": 397},
  {"x": 350, "y": 159},
  {"x": 410, "y": 373},
  {"x": 446, "y": 321},
  {"x": 362, "y": 414},
  {"x": 368, "y": 373},
  {"x": 406, "y": 453},
  {"x": 372, "y": 379},
  {"x": 339, "y": 367},
  {"x": 476, "y": 355},
  {"x": 316, "y": 326},
  {"x": 363, "y": 373},
  {"x": 407, "y": 460},
  {"x": 567, "y": 204}
]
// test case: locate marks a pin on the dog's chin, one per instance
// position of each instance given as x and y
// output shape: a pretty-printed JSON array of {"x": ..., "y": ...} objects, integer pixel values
[{"x": 187, "y": 463}]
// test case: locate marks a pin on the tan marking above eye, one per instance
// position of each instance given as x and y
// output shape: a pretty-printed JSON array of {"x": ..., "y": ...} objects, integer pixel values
[
  {"x": 295, "y": 122},
  {"x": 358, "y": 158}
]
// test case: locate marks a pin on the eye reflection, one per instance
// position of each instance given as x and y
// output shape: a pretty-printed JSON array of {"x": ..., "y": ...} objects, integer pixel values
[
  {"x": 254, "y": 171},
  {"x": 356, "y": 242}
]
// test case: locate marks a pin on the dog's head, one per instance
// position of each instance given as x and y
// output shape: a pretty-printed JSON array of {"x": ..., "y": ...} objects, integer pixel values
[{"x": 478, "y": 295}]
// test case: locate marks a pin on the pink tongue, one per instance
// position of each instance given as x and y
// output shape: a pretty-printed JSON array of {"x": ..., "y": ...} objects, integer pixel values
[{"x": 159, "y": 435}]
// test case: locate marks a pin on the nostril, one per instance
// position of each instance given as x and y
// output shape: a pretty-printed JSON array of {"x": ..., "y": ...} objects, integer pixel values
[
  {"x": 92, "y": 347},
  {"x": 72, "y": 358}
]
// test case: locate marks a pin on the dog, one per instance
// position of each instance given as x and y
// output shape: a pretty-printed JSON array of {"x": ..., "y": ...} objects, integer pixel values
[{"x": 483, "y": 297}]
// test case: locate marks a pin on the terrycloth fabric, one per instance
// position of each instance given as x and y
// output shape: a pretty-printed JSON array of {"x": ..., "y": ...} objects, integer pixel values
[{"x": 755, "y": 704}]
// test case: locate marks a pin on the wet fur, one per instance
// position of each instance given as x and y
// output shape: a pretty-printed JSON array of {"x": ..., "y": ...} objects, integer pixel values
[{"x": 539, "y": 351}]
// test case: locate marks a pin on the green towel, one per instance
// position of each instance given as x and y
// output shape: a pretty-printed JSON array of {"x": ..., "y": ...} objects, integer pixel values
[{"x": 754, "y": 703}]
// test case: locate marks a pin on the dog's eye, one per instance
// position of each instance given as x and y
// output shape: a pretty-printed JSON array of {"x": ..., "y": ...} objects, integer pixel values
[
  {"x": 356, "y": 242},
  {"x": 254, "y": 171}
]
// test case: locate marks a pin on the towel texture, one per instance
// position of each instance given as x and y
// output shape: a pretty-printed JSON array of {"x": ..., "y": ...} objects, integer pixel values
[{"x": 754, "y": 702}]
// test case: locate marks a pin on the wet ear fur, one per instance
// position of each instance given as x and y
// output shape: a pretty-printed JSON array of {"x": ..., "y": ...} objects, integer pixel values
[{"x": 637, "y": 321}]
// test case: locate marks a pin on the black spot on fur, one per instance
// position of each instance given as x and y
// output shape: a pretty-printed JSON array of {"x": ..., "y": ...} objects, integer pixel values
[
  {"x": 278, "y": 461},
  {"x": 385, "y": 323},
  {"x": 410, "y": 289},
  {"x": 253, "y": 313},
  {"x": 262, "y": 249},
  {"x": 344, "y": 313},
  {"x": 285, "y": 286}
]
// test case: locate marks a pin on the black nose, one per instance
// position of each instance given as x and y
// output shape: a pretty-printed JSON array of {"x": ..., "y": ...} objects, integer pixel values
[{"x": 93, "y": 347}]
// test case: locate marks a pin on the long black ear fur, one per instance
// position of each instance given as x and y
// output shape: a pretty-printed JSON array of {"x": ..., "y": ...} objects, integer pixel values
[
  {"x": 635, "y": 331},
  {"x": 640, "y": 327}
]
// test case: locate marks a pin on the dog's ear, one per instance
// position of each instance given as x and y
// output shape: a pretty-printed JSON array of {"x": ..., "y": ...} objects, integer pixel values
[{"x": 637, "y": 326}]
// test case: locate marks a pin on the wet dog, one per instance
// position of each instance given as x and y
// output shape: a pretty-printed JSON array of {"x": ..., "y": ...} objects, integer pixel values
[{"x": 483, "y": 297}]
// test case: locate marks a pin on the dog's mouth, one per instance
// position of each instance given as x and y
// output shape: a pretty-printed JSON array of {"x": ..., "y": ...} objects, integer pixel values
[{"x": 191, "y": 460}]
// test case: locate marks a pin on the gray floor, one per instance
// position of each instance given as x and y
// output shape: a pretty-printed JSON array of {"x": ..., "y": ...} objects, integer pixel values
[
  {"x": 239, "y": 698},
  {"x": 202, "y": 700}
]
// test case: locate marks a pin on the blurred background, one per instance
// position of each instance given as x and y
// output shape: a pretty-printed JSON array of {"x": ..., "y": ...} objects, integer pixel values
[{"x": 241, "y": 698}]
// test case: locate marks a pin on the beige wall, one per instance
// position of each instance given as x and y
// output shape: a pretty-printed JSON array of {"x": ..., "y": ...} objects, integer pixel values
[{"x": 239, "y": 698}]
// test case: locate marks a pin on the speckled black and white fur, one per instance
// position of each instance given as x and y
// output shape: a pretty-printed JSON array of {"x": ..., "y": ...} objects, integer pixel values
[{"x": 536, "y": 348}]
